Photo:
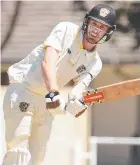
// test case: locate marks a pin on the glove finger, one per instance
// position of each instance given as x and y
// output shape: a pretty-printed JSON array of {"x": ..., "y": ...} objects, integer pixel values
[
  {"x": 55, "y": 98},
  {"x": 54, "y": 104},
  {"x": 80, "y": 113},
  {"x": 80, "y": 104}
]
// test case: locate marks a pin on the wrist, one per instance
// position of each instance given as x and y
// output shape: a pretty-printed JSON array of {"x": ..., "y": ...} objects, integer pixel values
[
  {"x": 53, "y": 86},
  {"x": 53, "y": 90},
  {"x": 52, "y": 93}
]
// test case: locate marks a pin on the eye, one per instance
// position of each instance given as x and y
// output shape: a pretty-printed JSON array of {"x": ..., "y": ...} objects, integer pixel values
[
  {"x": 102, "y": 28},
  {"x": 93, "y": 24}
]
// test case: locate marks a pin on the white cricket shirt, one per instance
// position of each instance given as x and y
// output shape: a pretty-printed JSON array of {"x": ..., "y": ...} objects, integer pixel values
[{"x": 73, "y": 61}]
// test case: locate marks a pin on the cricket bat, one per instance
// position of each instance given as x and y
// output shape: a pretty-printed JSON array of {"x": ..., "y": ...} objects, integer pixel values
[{"x": 112, "y": 92}]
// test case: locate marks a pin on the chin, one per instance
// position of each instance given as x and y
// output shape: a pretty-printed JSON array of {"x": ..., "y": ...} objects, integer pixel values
[{"x": 92, "y": 41}]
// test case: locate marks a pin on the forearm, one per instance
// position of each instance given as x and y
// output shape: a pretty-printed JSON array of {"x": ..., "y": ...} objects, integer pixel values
[
  {"x": 49, "y": 76},
  {"x": 49, "y": 69}
]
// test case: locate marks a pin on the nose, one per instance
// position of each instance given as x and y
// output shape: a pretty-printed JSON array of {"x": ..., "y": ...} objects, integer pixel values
[{"x": 95, "y": 29}]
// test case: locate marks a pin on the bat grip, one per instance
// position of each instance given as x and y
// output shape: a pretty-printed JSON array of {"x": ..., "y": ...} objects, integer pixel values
[{"x": 82, "y": 101}]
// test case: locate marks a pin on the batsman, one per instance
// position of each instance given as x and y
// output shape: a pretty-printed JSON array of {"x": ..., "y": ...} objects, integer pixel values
[{"x": 69, "y": 53}]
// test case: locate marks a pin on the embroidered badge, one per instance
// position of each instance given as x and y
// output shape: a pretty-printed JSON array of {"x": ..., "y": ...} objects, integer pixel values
[
  {"x": 80, "y": 69},
  {"x": 104, "y": 12},
  {"x": 23, "y": 106},
  {"x": 69, "y": 51}
]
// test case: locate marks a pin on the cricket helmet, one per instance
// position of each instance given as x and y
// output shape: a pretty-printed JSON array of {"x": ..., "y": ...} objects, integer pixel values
[{"x": 104, "y": 14}]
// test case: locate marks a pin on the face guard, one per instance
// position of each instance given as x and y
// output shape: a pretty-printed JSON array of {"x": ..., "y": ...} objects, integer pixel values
[{"x": 94, "y": 34}]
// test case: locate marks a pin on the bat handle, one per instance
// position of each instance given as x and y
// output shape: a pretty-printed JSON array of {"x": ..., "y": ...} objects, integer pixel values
[{"x": 81, "y": 100}]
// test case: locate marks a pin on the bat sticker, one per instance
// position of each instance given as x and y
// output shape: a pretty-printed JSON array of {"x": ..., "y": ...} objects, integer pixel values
[{"x": 93, "y": 97}]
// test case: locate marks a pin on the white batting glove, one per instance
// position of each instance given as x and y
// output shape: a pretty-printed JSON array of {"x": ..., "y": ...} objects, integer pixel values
[{"x": 76, "y": 107}]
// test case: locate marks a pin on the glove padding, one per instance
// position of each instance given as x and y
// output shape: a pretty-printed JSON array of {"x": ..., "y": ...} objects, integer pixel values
[
  {"x": 54, "y": 103},
  {"x": 76, "y": 107}
]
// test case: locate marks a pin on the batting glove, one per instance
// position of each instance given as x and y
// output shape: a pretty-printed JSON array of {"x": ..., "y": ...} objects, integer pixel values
[
  {"x": 76, "y": 107},
  {"x": 54, "y": 103}
]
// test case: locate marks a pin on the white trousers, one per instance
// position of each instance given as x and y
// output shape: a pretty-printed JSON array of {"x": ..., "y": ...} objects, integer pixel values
[{"x": 29, "y": 133}]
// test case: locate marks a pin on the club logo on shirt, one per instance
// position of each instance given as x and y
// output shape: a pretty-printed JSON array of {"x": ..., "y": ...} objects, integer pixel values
[
  {"x": 23, "y": 106},
  {"x": 80, "y": 69}
]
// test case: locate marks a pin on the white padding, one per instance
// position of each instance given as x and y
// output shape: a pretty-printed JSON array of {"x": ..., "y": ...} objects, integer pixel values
[
  {"x": 75, "y": 106},
  {"x": 17, "y": 156},
  {"x": 48, "y": 100}
]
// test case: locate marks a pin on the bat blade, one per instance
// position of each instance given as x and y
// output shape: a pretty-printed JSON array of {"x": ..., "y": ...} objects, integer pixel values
[{"x": 112, "y": 92}]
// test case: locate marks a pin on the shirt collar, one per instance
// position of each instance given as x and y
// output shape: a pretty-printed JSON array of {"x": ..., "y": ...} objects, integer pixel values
[{"x": 78, "y": 40}]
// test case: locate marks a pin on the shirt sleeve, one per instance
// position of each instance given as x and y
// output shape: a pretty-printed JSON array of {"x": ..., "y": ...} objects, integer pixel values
[
  {"x": 56, "y": 37},
  {"x": 83, "y": 81}
]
